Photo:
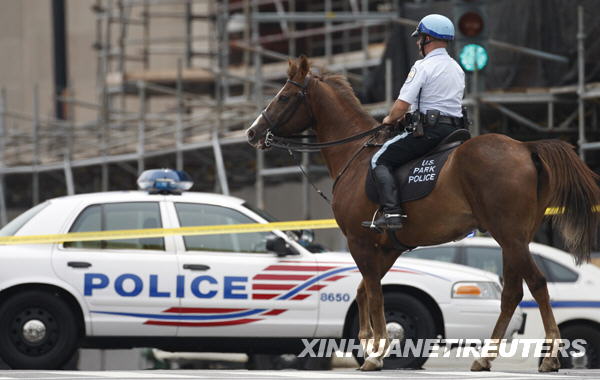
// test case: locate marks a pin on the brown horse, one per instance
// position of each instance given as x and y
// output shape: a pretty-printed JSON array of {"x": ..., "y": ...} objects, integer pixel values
[{"x": 490, "y": 182}]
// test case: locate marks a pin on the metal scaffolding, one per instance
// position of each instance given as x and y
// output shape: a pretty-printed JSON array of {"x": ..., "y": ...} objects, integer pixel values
[{"x": 227, "y": 62}]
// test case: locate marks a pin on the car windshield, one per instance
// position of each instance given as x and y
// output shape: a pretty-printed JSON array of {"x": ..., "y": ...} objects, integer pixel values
[
  {"x": 262, "y": 213},
  {"x": 15, "y": 225}
]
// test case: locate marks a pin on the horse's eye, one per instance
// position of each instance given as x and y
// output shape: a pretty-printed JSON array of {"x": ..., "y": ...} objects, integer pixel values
[{"x": 283, "y": 98}]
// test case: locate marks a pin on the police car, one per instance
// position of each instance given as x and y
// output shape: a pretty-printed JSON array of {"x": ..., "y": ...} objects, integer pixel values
[{"x": 247, "y": 292}]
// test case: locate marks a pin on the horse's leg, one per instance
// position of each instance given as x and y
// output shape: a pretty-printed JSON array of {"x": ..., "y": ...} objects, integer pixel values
[
  {"x": 374, "y": 361},
  {"x": 512, "y": 294},
  {"x": 384, "y": 259},
  {"x": 518, "y": 264},
  {"x": 365, "y": 258},
  {"x": 537, "y": 285},
  {"x": 365, "y": 331}
]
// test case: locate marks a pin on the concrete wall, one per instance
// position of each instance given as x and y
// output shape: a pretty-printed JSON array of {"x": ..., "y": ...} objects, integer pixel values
[
  {"x": 82, "y": 58},
  {"x": 26, "y": 53}
]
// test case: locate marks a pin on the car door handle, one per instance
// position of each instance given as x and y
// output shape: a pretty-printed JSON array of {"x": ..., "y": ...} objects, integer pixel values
[
  {"x": 79, "y": 264},
  {"x": 196, "y": 267}
]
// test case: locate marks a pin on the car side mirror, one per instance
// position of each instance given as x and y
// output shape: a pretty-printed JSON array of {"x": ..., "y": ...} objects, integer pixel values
[
  {"x": 305, "y": 237},
  {"x": 278, "y": 245}
]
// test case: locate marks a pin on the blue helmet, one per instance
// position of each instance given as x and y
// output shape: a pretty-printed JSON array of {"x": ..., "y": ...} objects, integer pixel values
[{"x": 437, "y": 26}]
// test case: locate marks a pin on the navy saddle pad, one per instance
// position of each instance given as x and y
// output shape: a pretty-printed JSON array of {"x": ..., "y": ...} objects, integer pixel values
[{"x": 417, "y": 178}]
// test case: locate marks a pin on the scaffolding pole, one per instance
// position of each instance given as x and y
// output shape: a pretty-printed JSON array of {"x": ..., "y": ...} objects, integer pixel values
[
  {"x": 69, "y": 183},
  {"x": 35, "y": 188},
  {"x": 258, "y": 96},
  {"x": 189, "y": 30},
  {"x": 221, "y": 91},
  {"x": 179, "y": 121},
  {"x": 581, "y": 81},
  {"x": 69, "y": 177},
  {"x": 3, "y": 213},
  {"x": 141, "y": 144},
  {"x": 106, "y": 103},
  {"x": 365, "y": 42}
]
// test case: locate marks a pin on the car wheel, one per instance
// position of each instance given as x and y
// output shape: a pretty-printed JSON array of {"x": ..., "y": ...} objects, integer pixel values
[
  {"x": 591, "y": 358},
  {"x": 37, "y": 331},
  {"x": 406, "y": 318}
]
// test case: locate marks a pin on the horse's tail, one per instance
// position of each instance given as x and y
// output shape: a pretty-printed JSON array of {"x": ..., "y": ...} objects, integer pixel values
[{"x": 573, "y": 192}]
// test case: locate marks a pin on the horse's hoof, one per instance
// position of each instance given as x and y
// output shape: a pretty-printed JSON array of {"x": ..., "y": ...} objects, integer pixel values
[
  {"x": 549, "y": 364},
  {"x": 481, "y": 365},
  {"x": 372, "y": 364}
]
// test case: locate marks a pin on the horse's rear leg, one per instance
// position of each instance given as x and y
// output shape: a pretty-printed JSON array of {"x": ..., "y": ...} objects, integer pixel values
[
  {"x": 518, "y": 264},
  {"x": 537, "y": 285},
  {"x": 512, "y": 294}
]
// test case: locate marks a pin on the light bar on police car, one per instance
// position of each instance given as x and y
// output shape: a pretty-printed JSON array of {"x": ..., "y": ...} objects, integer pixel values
[{"x": 164, "y": 181}]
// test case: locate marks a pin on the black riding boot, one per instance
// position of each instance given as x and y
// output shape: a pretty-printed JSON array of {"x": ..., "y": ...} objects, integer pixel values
[{"x": 392, "y": 213}]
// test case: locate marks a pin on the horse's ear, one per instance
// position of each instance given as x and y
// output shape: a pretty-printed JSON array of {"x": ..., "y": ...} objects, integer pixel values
[
  {"x": 304, "y": 66},
  {"x": 292, "y": 68}
]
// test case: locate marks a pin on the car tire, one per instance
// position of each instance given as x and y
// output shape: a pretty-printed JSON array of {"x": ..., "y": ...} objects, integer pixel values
[
  {"x": 416, "y": 321},
  {"x": 591, "y": 335},
  {"x": 53, "y": 334}
]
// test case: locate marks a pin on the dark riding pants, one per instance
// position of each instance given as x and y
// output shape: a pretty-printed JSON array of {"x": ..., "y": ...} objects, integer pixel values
[{"x": 406, "y": 147}]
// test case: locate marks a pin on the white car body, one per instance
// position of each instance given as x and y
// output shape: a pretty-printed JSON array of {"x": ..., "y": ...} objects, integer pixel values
[{"x": 127, "y": 293}]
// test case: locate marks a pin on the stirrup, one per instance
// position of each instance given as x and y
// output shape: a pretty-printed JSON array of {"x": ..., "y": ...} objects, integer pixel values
[
  {"x": 386, "y": 223},
  {"x": 371, "y": 224},
  {"x": 401, "y": 216}
]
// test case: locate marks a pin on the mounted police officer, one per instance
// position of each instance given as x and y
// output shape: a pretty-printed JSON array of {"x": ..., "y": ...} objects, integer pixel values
[{"x": 433, "y": 92}]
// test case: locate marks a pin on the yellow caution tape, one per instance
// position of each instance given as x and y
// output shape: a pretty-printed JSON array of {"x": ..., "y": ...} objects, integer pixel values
[
  {"x": 561, "y": 210},
  {"x": 554, "y": 210},
  {"x": 190, "y": 231},
  {"x": 160, "y": 232}
]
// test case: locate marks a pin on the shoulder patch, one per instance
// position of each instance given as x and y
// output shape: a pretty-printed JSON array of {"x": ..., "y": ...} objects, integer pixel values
[{"x": 411, "y": 75}]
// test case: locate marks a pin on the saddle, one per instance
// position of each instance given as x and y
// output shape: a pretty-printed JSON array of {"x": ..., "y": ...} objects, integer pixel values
[{"x": 417, "y": 178}]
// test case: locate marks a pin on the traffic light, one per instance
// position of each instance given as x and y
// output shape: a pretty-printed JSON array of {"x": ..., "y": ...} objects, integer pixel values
[{"x": 471, "y": 34}]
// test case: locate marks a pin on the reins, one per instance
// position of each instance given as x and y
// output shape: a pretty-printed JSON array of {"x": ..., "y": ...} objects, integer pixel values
[{"x": 290, "y": 143}]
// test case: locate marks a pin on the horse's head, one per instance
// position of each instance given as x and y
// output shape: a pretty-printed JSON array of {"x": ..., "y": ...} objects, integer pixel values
[{"x": 289, "y": 111}]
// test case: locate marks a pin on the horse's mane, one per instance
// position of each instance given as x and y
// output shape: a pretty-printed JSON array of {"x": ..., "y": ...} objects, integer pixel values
[{"x": 343, "y": 89}]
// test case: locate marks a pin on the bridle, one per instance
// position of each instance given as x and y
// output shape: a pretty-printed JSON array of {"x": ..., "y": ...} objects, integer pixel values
[
  {"x": 292, "y": 143},
  {"x": 300, "y": 98}
]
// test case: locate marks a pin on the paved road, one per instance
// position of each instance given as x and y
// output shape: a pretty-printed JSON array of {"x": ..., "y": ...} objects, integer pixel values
[{"x": 279, "y": 375}]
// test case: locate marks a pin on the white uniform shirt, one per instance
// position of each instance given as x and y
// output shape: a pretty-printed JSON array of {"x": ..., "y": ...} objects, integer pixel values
[{"x": 443, "y": 83}]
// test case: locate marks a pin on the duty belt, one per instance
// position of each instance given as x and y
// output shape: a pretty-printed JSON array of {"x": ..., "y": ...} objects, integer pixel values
[{"x": 455, "y": 121}]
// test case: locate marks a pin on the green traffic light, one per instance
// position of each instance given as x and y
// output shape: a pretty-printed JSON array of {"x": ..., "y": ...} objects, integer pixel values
[{"x": 472, "y": 54}]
